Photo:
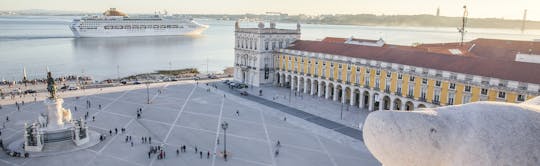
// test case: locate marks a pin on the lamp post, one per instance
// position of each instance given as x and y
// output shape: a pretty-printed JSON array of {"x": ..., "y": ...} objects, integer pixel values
[
  {"x": 147, "y": 91},
  {"x": 224, "y": 126}
]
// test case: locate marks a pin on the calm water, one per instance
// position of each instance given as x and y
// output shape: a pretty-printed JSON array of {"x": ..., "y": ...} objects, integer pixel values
[{"x": 36, "y": 42}]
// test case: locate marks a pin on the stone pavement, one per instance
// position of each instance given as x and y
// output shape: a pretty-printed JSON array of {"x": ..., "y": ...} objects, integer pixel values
[
  {"x": 341, "y": 128},
  {"x": 189, "y": 114}
]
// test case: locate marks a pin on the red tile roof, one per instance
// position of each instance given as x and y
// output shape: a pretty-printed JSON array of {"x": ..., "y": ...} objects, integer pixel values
[{"x": 489, "y": 58}]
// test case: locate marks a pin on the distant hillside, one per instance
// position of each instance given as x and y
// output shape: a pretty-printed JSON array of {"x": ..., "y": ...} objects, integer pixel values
[
  {"x": 387, "y": 20},
  {"x": 340, "y": 19},
  {"x": 418, "y": 20}
]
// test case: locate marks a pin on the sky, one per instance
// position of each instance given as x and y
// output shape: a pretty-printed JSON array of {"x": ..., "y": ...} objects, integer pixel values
[{"x": 508, "y": 9}]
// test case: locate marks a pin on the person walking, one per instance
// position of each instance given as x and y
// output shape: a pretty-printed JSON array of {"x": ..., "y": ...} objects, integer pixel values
[{"x": 200, "y": 154}]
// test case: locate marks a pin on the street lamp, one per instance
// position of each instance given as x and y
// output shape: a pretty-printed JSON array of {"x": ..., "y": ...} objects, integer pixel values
[
  {"x": 224, "y": 126},
  {"x": 147, "y": 91}
]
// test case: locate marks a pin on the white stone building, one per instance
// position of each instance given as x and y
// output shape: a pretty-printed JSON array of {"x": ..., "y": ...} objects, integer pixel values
[{"x": 254, "y": 52}]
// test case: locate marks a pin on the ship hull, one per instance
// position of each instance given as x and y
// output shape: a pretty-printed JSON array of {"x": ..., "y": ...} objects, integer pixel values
[{"x": 135, "y": 33}]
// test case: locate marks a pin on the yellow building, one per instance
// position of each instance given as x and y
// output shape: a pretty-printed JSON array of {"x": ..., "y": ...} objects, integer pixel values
[{"x": 378, "y": 76}]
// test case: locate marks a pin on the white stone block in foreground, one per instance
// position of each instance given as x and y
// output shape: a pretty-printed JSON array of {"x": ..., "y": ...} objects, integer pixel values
[{"x": 480, "y": 133}]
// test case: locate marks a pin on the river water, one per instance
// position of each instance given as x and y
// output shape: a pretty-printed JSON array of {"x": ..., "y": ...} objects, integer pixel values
[{"x": 38, "y": 42}]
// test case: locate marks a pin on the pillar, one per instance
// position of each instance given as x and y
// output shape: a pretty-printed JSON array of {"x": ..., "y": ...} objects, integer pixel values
[
  {"x": 392, "y": 104},
  {"x": 362, "y": 100},
  {"x": 327, "y": 93},
  {"x": 305, "y": 85},
  {"x": 312, "y": 88},
  {"x": 299, "y": 85},
  {"x": 403, "y": 105},
  {"x": 344, "y": 95},
  {"x": 334, "y": 93},
  {"x": 319, "y": 91},
  {"x": 352, "y": 98},
  {"x": 381, "y": 103}
]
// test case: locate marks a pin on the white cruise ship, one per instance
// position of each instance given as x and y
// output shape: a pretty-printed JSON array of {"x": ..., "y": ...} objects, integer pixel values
[{"x": 114, "y": 23}]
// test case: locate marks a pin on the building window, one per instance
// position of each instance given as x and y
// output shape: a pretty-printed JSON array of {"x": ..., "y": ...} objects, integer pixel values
[
  {"x": 366, "y": 80},
  {"x": 378, "y": 72},
  {"x": 388, "y": 74},
  {"x": 368, "y": 70},
  {"x": 377, "y": 83},
  {"x": 266, "y": 46},
  {"x": 340, "y": 66},
  {"x": 399, "y": 76},
  {"x": 411, "y": 78},
  {"x": 468, "y": 88},
  {"x": 423, "y": 93},
  {"x": 436, "y": 95},
  {"x": 521, "y": 98},
  {"x": 466, "y": 99},
  {"x": 339, "y": 74},
  {"x": 452, "y": 86},
  {"x": 438, "y": 83},
  {"x": 309, "y": 67},
  {"x": 387, "y": 85},
  {"x": 502, "y": 95},
  {"x": 484, "y": 91},
  {"x": 451, "y": 99},
  {"x": 398, "y": 89},
  {"x": 358, "y": 69},
  {"x": 411, "y": 90},
  {"x": 424, "y": 81},
  {"x": 349, "y": 76}
]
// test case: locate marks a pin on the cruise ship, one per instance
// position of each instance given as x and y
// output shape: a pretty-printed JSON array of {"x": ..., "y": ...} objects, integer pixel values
[{"x": 114, "y": 23}]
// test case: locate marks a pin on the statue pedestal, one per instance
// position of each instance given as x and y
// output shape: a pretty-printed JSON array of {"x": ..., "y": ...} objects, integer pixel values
[{"x": 57, "y": 115}]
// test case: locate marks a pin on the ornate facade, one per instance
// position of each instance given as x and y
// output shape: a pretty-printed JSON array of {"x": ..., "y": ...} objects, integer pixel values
[
  {"x": 375, "y": 76},
  {"x": 254, "y": 52}
]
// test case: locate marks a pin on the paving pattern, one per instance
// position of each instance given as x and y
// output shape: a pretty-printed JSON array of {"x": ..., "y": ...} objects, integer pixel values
[{"x": 185, "y": 114}]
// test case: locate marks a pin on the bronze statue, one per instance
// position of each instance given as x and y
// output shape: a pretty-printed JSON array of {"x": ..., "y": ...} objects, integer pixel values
[{"x": 51, "y": 86}]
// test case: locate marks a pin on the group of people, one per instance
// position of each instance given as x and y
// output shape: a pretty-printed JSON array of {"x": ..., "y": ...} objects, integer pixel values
[
  {"x": 156, "y": 150},
  {"x": 139, "y": 113},
  {"x": 146, "y": 140}
]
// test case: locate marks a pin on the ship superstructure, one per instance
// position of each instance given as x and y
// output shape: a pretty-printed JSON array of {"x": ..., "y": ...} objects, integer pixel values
[{"x": 114, "y": 23}]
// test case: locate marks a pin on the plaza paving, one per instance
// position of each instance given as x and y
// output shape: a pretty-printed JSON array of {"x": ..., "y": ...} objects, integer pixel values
[{"x": 187, "y": 114}]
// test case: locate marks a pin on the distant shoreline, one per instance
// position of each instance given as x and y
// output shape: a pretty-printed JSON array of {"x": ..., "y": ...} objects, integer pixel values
[{"x": 356, "y": 19}]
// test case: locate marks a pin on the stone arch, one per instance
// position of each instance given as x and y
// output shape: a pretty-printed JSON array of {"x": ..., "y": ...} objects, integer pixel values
[
  {"x": 347, "y": 95},
  {"x": 294, "y": 82},
  {"x": 288, "y": 81},
  {"x": 409, "y": 106},
  {"x": 365, "y": 99},
  {"x": 357, "y": 97},
  {"x": 283, "y": 78},
  {"x": 300, "y": 86},
  {"x": 421, "y": 106},
  {"x": 277, "y": 79},
  {"x": 315, "y": 84},
  {"x": 397, "y": 104},
  {"x": 339, "y": 92},
  {"x": 386, "y": 102},
  {"x": 308, "y": 85},
  {"x": 323, "y": 88},
  {"x": 330, "y": 90}
]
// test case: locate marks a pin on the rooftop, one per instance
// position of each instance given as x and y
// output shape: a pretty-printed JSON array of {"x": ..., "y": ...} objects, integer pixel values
[{"x": 483, "y": 57}]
